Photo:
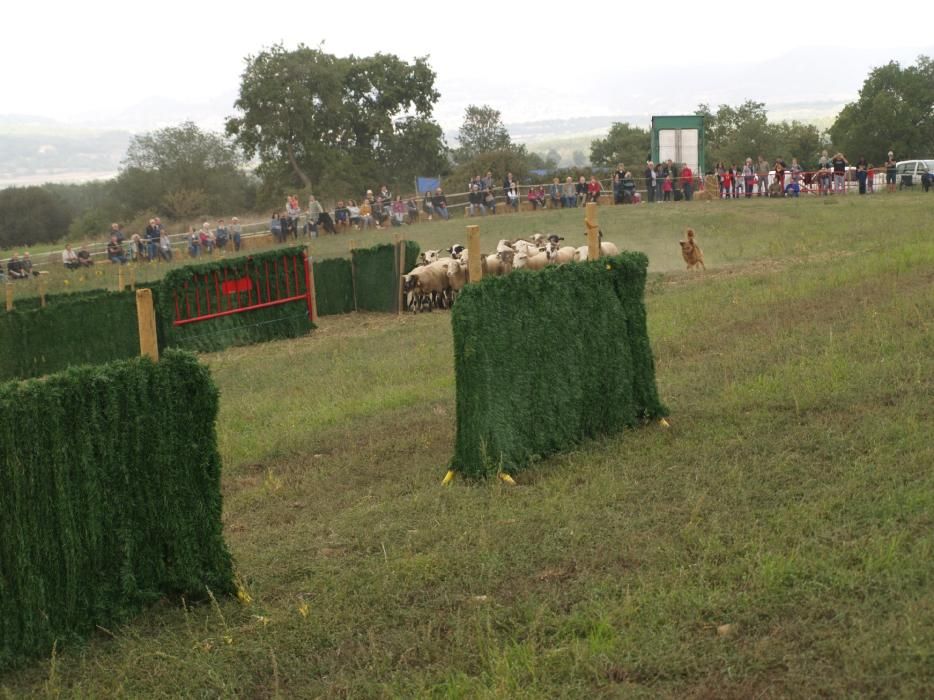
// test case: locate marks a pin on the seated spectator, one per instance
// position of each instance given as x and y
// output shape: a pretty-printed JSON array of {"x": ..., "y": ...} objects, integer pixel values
[
  {"x": 475, "y": 205},
  {"x": 627, "y": 188},
  {"x": 275, "y": 227},
  {"x": 412, "y": 210},
  {"x": 398, "y": 211},
  {"x": 534, "y": 200},
  {"x": 115, "y": 252},
  {"x": 512, "y": 195},
  {"x": 426, "y": 205},
  {"x": 439, "y": 204},
  {"x": 137, "y": 250},
  {"x": 236, "y": 231},
  {"x": 380, "y": 215},
  {"x": 489, "y": 200},
  {"x": 208, "y": 241},
  {"x": 792, "y": 189},
  {"x": 353, "y": 212},
  {"x": 221, "y": 235},
  {"x": 554, "y": 193},
  {"x": 594, "y": 189},
  {"x": 568, "y": 194},
  {"x": 84, "y": 257},
  {"x": 194, "y": 241},
  {"x": 366, "y": 214},
  {"x": 14, "y": 268},
  {"x": 341, "y": 215},
  {"x": 27, "y": 265},
  {"x": 581, "y": 191},
  {"x": 70, "y": 258}
]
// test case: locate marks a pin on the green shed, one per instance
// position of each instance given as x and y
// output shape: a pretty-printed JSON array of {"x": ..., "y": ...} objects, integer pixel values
[{"x": 680, "y": 139}]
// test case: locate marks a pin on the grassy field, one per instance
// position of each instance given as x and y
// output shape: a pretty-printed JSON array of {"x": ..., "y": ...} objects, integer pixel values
[{"x": 776, "y": 541}]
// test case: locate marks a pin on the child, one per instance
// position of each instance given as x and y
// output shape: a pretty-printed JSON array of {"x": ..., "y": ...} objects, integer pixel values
[
  {"x": 666, "y": 188},
  {"x": 727, "y": 183}
]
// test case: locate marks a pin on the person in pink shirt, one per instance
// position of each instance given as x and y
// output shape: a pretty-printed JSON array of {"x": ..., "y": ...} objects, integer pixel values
[{"x": 687, "y": 182}]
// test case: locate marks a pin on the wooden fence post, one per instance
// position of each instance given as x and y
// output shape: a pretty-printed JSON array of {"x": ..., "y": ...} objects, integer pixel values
[
  {"x": 593, "y": 232},
  {"x": 42, "y": 288},
  {"x": 310, "y": 287},
  {"x": 120, "y": 281},
  {"x": 146, "y": 319},
  {"x": 353, "y": 275},
  {"x": 399, "y": 258},
  {"x": 9, "y": 296},
  {"x": 474, "y": 256}
]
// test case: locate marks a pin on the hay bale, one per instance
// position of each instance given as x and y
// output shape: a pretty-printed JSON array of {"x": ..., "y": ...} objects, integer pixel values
[{"x": 711, "y": 189}]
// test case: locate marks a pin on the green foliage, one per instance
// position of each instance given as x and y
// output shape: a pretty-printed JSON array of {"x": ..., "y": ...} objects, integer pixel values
[
  {"x": 625, "y": 144},
  {"x": 334, "y": 286},
  {"x": 513, "y": 160},
  {"x": 378, "y": 277},
  {"x": 481, "y": 131},
  {"x": 895, "y": 111},
  {"x": 312, "y": 117},
  {"x": 110, "y": 494},
  {"x": 272, "y": 275},
  {"x": 31, "y": 215},
  {"x": 73, "y": 329},
  {"x": 546, "y": 359},
  {"x": 181, "y": 171}
]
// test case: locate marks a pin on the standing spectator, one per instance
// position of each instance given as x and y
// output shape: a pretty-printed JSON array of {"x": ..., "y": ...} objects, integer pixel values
[
  {"x": 890, "y": 169},
  {"x": 687, "y": 182},
  {"x": 580, "y": 190},
  {"x": 206, "y": 236},
  {"x": 720, "y": 171},
  {"x": 796, "y": 172},
  {"x": 275, "y": 227},
  {"x": 314, "y": 214},
  {"x": 221, "y": 235},
  {"x": 488, "y": 181},
  {"x": 823, "y": 179},
  {"x": 660, "y": 174},
  {"x": 440, "y": 204},
  {"x": 70, "y": 258},
  {"x": 649, "y": 175},
  {"x": 861, "y": 169},
  {"x": 426, "y": 205},
  {"x": 667, "y": 188},
  {"x": 194, "y": 241},
  {"x": 749, "y": 177},
  {"x": 292, "y": 212},
  {"x": 236, "y": 231},
  {"x": 762, "y": 175},
  {"x": 165, "y": 246},
  {"x": 839, "y": 163},
  {"x": 554, "y": 193},
  {"x": 870, "y": 178},
  {"x": 136, "y": 247},
  {"x": 569, "y": 195},
  {"x": 152, "y": 234},
  {"x": 594, "y": 189},
  {"x": 507, "y": 183},
  {"x": 27, "y": 264},
  {"x": 618, "y": 183},
  {"x": 385, "y": 194}
]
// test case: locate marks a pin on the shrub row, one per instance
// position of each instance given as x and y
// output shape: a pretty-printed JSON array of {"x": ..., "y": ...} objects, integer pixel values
[
  {"x": 546, "y": 359},
  {"x": 110, "y": 495}
]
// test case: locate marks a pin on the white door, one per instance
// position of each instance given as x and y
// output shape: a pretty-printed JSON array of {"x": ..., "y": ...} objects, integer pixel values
[{"x": 679, "y": 145}]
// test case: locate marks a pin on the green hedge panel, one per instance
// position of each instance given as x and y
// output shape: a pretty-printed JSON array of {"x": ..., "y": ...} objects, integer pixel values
[
  {"x": 283, "y": 321},
  {"x": 545, "y": 359},
  {"x": 377, "y": 277},
  {"x": 334, "y": 286},
  {"x": 70, "y": 330},
  {"x": 110, "y": 495}
]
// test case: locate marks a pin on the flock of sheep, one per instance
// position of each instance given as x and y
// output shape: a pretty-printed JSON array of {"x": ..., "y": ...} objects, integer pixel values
[{"x": 436, "y": 280}]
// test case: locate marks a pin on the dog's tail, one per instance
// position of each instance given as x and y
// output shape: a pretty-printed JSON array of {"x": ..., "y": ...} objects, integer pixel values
[{"x": 690, "y": 233}]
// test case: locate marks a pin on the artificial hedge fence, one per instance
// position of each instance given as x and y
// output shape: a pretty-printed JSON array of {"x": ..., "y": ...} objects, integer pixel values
[
  {"x": 543, "y": 360},
  {"x": 334, "y": 286},
  {"x": 377, "y": 276},
  {"x": 197, "y": 284},
  {"x": 72, "y": 329},
  {"x": 110, "y": 498}
]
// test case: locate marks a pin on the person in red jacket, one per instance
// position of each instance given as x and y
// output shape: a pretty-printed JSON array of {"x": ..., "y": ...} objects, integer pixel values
[
  {"x": 687, "y": 182},
  {"x": 593, "y": 189}
]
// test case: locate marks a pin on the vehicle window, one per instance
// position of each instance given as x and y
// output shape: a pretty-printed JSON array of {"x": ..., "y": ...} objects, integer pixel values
[
  {"x": 902, "y": 168},
  {"x": 922, "y": 167}
]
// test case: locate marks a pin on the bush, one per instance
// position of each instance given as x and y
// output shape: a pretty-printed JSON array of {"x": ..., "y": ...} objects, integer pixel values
[
  {"x": 543, "y": 360},
  {"x": 110, "y": 494}
]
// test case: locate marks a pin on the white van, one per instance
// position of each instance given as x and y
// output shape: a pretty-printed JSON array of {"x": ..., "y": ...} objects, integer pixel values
[{"x": 910, "y": 172}]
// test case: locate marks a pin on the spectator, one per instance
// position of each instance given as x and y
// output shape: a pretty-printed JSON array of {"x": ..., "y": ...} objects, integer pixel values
[
  {"x": 366, "y": 214},
  {"x": 581, "y": 191},
  {"x": 796, "y": 171},
  {"x": 839, "y": 163},
  {"x": 165, "y": 246},
  {"x": 27, "y": 265},
  {"x": 594, "y": 189},
  {"x": 115, "y": 252},
  {"x": 489, "y": 200},
  {"x": 221, "y": 235},
  {"x": 412, "y": 210},
  {"x": 194, "y": 241},
  {"x": 667, "y": 188},
  {"x": 720, "y": 171},
  {"x": 687, "y": 182},
  {"x": 275, "y": 227},
  {"x": 236, "y": 231},
  {"x": 151, "y": 234},
  {"x": 385, "y": 195},
  {"x": 749, "y": 177},
  {"x": 780, "y": 173},
  {"x": 628, "y": 188},
  {"x": 535, "y": 199},
  {"x": 208, "y": 241},
  {"x": 649, "y": 176},
  {"x": 475, "y": 200},
  {"x": 439, "y": 204},
  {"x": 84, "y": 257},
  {"x": 762, "y": 176},
  {"x": 861, "y": 170},
  {"x": 617, "y": 183},
  {"x": 292, "y": 212},
  {"x": 426, "y": 205},
  {"x": 512, "y": 195},
  {"x": 554, "y": 193},
  {"x": 870, "y": 178},
  {"x": 398, "y": 211},
  {"x": 70, "y": 258},
  {"x": 14, "y": 268},
  {"x": 136, "y": 247},
  {"x": 284, "y": 225},
  {"x": 488, "y": 181},
  {"x": 824, "y": 160},
  {"x": 726, "y": 182},
  {"x": 117, "y": 230},
  {"x": 314, "y": 215},
  {"x": 354, "y": 213},
  {"x": 341, "y": 215},
  {"x": 660, "y": 174},
  {"x": 507, "y": 183},
  {"x": 792, "y": 189},
  {"x": 735, "y": 179},
  {"x": 569, "y": 194},
  {"x": 890, "y": 169},
  {"x": 823, "y": 179}
]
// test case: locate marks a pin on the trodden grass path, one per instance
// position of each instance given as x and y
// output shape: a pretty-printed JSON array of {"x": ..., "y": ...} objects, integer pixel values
[{"x": 776, "y": 541}]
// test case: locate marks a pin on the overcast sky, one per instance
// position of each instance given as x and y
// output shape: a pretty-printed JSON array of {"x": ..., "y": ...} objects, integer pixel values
[{"x": 89, "y": 61}]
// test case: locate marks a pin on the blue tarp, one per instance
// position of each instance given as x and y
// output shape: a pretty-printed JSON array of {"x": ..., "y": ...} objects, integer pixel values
[{"x": 427, "y": 184}]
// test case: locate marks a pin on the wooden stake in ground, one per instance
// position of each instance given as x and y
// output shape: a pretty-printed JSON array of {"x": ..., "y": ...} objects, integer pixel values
[
  {"x": 474, "y": 256},
  {"x": 9, "y": 296},
  {"x": 146, "y": 320},
  {"x": 42, "y": 288},
  {"x": 400, "y": 265},
  {"x": 120, "y": 281},
  {"x": 593, "y": 231},
  {"x": 353, "y": 275}
]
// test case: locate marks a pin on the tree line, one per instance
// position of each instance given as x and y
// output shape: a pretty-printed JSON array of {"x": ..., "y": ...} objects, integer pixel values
[{"x": 312, "y": 122}]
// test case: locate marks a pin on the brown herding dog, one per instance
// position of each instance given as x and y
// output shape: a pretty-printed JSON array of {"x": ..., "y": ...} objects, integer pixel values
[{"x": 691, "y": 252}]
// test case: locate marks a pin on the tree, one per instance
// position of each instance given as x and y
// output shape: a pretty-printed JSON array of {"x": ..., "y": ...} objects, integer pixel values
[
  {"x": 482, "y": 131},
  {"x": 310, "y": 116},
  {"x": 553, "y": 158},
  {"x": 181, "y": 164},
  {"x": 579, "y": 159},
  {"x": 31, "y": 215},
  {"x": 895, "y": 111},
  {"x": 734, "y": 133},
  {"x": 624, "y": 144}
]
